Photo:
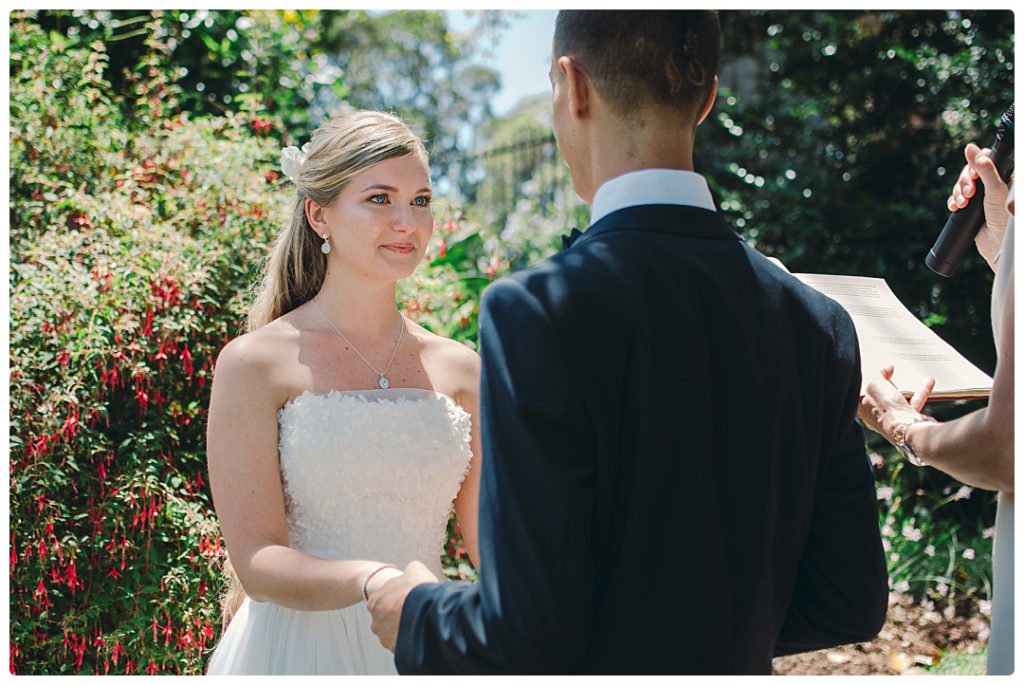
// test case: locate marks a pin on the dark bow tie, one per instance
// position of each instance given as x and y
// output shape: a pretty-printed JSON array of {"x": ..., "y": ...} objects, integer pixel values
[{"x": 568, "y": 240}]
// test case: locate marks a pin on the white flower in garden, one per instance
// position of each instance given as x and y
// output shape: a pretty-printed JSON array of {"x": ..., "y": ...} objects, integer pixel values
[
  {"x": 930, "y": 550},
  {"x": 941, "y": 588},
  {"x": 927, "y": 605},
  {"x": 968, "y": 553},
  {"x": 884, "y": 493},
  {"x": 911, "y": 533},
  {"x": 885, "y": 545},
  {"x": 903, "y": 586},
  {"x": 988, "y": 532},
  {"x": 894, "y": 557},
  {"x": 985, "y": 607},
  {"x": 963, "y": 493},
  {"x": 877, "y": 460},
  {"x": 949, "y": 612},
  {"x": 887, "y": 530}
]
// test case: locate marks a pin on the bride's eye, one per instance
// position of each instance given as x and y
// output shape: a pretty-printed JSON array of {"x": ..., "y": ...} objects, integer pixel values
[
  {"x": 422, "y": 201},
  {"x": 379, "y": 199}
]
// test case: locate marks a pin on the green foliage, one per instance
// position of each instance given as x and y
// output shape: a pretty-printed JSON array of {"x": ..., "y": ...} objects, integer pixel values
[
  {"x": 838, "y": 148},
  {"x": 962, "y": 663},
  {"x": 296, "y": 67},
  {"x": 937, "y": 549}
]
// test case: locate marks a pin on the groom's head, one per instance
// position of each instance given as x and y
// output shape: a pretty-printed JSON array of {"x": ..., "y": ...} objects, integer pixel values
[
  {"x": 630, "y": 70},
  {"x": 640, "y": 59}
]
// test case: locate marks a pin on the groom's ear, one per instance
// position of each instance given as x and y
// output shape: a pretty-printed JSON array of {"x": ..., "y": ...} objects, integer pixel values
[
  {"x": 578, "y": 85},
  {"x": 709, "y": 103}
]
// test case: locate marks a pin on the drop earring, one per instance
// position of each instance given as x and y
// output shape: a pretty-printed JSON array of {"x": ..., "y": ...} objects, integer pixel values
[{"x": 326, "y": 247}]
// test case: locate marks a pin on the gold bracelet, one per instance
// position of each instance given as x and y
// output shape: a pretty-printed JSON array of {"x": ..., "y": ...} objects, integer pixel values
[
  {"x": 899, "y": 439},
  {"x": 371, "y": 574}
]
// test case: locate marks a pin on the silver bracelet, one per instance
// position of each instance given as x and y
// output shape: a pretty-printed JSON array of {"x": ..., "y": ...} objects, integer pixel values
[{"x": 371, "y": 574}]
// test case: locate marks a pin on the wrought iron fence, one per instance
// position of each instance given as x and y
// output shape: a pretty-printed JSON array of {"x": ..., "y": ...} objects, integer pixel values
[{"x": 496, "y": 180}]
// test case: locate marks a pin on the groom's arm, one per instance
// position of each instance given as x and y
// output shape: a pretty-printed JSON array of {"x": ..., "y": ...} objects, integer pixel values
[
  {"x": 531, "y": 609},
  {"x": 841, "y": 593}
]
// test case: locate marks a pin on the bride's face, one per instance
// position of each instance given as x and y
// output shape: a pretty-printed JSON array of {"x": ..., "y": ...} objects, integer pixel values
[{"x": 381, "y": 222}]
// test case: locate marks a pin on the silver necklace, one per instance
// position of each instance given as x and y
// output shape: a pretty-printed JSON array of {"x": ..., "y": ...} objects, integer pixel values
[{"x": 382, "y": 380}]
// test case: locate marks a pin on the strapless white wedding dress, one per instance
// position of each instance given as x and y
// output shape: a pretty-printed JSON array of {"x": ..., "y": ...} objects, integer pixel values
[{"x": 367, "y": 475}]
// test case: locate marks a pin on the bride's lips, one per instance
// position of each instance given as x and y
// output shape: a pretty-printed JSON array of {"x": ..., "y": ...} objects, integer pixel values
[{"x": 400, "y": 248}]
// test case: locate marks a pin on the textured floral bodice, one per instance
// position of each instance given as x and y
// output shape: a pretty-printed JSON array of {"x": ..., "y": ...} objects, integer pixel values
[{"x": 372, "y": 474}]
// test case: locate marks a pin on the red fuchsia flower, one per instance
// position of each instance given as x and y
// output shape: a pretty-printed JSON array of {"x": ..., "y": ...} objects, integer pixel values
[
  {"x": 186, "y": 361},
  {"x": 148, "y": 330},
  {"x": 152, "y": 669},
  {"x": 148, "y": 164},
  {"x": 142, "y": 397},
  {"x": 442, "y": 248},
  {"x": 261, "y": 126},
  {"x": 72, "y": 578},
  {"x": 70, "y": 425},
  {"x": 79, "y": 652},
  {"x": 272, "y": 176}
]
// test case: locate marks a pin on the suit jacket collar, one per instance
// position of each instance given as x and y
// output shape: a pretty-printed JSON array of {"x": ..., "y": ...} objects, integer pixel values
[{"x": 680, "y": 220}]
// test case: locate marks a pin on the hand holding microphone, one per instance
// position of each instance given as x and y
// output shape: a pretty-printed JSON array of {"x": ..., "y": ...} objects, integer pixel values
[
  {"x": 980, "y": 167},
  {"x": 972, "y": 206}
]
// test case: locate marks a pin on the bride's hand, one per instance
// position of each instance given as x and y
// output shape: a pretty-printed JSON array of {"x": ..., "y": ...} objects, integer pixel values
[
  {"x": 380, "y": 578},
  {"x": 386, "y": 605}
]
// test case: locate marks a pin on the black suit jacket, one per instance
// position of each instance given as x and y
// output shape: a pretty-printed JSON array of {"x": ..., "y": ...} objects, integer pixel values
[{"x": 673, "y": 481}]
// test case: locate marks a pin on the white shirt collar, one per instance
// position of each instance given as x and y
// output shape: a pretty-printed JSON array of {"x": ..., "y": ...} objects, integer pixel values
[{"x": 651, "y": 187}]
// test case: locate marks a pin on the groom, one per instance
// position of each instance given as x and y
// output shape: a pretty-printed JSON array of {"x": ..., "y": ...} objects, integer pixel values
[{"x": 673, "y": 481}]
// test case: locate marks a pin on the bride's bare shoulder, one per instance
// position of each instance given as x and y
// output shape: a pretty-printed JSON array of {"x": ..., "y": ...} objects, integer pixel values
[
  {"x": 454, "y": 365},
  {"x": 260, "y": 358}
]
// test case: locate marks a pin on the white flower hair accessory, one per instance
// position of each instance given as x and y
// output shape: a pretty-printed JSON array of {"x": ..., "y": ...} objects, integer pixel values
[{"x": 292, "y": 159}]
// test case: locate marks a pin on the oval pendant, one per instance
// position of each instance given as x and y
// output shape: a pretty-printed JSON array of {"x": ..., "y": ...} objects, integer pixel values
[{"x": 383, "y": 383}]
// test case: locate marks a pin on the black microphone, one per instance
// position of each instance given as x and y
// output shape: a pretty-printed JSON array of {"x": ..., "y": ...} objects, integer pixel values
[{"x": 963, "y": 225}]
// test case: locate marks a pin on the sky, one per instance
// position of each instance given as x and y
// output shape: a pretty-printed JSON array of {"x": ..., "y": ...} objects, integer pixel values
[{"x": 522, "y": 55}]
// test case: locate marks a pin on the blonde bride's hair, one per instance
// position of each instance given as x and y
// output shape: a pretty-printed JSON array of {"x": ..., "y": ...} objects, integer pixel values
[{"x": 339, "y": 149}]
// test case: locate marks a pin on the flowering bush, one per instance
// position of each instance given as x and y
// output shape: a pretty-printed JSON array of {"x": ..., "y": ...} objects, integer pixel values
[{"x": 130, "y": 260}]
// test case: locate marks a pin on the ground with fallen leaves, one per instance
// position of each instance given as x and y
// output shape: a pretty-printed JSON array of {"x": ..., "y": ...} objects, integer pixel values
[{"x": 913, "y": 639}]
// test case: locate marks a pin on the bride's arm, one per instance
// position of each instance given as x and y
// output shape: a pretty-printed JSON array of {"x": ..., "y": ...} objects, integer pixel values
[
  {"x": 467, "y": 500},
  {"x": 248, "y": 496}
]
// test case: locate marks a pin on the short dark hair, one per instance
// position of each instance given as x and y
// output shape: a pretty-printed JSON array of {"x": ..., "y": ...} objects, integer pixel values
[{"x": 640, "y": 58}]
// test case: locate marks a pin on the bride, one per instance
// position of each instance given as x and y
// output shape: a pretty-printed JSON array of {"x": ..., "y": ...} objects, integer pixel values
[{"x": 340, "y": 432}]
